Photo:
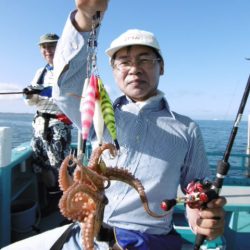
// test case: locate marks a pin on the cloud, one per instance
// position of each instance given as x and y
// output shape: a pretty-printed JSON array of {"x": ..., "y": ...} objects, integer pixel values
[{"x": 10, "y": 87}]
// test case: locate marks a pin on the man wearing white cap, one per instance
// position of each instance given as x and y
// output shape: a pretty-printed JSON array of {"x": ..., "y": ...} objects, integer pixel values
[{"x": 160, "y": 147}]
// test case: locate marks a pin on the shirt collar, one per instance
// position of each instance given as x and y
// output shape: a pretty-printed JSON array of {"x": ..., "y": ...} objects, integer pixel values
[
  {"x": 156, "y": 100},
  {"x": 49, "y": 67}
]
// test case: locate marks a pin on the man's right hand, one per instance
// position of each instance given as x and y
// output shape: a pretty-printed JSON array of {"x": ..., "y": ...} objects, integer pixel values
[
  {"x": 86, "y": 9},
  {"x": 29, "y": 91}
]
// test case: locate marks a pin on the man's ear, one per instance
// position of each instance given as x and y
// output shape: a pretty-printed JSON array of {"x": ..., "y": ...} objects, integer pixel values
[{"x": 162, "y": 68}]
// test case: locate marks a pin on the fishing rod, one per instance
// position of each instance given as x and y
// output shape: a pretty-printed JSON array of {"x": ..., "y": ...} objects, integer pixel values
[
  {"x": 25, "y": 91},
  {"x": 12, "y": 93},
  {"x": 223, "y": 165},
  {"x": 198, "y": 193}
]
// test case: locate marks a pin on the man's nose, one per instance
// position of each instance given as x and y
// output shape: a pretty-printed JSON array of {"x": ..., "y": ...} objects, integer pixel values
[{"x": 134, "y": 66}]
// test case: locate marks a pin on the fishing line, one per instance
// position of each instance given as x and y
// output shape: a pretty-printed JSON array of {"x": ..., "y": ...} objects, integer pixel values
[{"x": 227, "y": 112}]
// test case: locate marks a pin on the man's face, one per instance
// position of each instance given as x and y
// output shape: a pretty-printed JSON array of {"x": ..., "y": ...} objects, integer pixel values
[
  {"x": 48, "y": 51},
  {"x": 137, "y": 70}
]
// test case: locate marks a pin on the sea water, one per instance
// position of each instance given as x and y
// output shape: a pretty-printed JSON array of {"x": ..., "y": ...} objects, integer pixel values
[
  {"x": 215, "y": 133},
  {"x": 21, "y": 127}
]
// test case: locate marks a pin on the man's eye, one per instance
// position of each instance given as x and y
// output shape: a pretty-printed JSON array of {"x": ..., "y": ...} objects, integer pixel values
[
  {"x": 143, "y": 60},
  {"x": 125, "y": 63}
]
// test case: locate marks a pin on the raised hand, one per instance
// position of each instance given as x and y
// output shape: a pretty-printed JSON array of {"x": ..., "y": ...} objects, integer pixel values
[{"x": 86, "y": 9}]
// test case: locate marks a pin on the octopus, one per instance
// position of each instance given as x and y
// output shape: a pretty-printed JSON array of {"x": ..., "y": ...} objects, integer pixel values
[{"x": 83, "y": 197}]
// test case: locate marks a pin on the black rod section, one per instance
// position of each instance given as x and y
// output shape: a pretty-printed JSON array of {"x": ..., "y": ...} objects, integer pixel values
[
  {"x": 223, "y": 165},
  {"x": 12, "y": 93}
]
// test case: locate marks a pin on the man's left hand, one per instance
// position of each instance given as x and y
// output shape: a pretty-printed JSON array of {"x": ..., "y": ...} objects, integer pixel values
[{"x": 209, "y": 221}]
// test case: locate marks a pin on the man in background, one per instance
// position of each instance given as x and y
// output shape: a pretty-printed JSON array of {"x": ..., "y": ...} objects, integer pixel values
[{"x": 51, "y": 128}]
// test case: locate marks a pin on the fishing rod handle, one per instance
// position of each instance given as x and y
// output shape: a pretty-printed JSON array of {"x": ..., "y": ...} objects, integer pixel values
[
  {"x": 200, "y": 238},
  {"x": 222, "y": 170},
  {"x": 199, "y": 241},
  {"x": 213, "y": 193},
  {"x": 28, "y": 91}
]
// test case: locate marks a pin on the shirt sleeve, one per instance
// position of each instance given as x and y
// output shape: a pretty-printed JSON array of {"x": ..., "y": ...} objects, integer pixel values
[
  {"x": 70, "y": 68},
  {"x": 43, "y": 100},
  {"x": 36, "y": 77},
  {"x": 196, "y": 163},
  {"x": 33, "y": 100}
]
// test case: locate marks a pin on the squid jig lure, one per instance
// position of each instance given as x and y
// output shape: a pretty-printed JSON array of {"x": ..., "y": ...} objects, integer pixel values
[{"x": 96, "y": 107}]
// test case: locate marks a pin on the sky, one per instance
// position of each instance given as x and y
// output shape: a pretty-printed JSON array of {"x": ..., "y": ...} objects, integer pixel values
[{"x": 204, "y": 43}]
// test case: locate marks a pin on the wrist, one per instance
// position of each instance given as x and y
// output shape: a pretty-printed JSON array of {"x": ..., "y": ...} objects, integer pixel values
[{"x": 82, "y": 22}]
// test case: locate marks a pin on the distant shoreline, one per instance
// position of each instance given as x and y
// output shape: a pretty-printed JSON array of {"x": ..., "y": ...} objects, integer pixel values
[{"x": 199, "y": 119}]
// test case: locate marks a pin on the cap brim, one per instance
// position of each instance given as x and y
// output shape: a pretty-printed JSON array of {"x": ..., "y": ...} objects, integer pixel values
[
  {"x": 111, "y": 51},
  {"x": 48, "y": 41}
]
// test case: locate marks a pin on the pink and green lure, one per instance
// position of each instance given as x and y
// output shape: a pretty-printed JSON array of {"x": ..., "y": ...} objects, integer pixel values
[{"x": 96, "y": 107}]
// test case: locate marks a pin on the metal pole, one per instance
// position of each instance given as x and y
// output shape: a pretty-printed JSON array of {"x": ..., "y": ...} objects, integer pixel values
[{"x": 248, "y": 148}]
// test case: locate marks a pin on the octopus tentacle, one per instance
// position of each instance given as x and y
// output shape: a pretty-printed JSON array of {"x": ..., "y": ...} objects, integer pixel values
[
  {"x": 65, "y": 180},
  {"x": 97, "y": 181},
  {"x": 88, "y": 231},
  {"x": 124, "y": 175},
  {"x": 78, "y": 202},
  {"x": 95, "y": 157}
]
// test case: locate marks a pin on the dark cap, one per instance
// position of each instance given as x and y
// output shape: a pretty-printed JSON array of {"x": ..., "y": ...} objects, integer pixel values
[{"x": 48, "y": 38}]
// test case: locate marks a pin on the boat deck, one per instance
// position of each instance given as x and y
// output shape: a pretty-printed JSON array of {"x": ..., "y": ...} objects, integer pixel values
[{"x": 18, "y": 182}]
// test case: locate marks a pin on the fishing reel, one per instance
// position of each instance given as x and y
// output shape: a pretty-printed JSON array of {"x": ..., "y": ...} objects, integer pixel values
[
  {"x": 30, "y": 90},
  {"x": 198, "y": 194}
]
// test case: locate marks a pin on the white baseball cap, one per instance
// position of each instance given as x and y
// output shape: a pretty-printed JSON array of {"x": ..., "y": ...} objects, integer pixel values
[{"x": 133, "y": 37}]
